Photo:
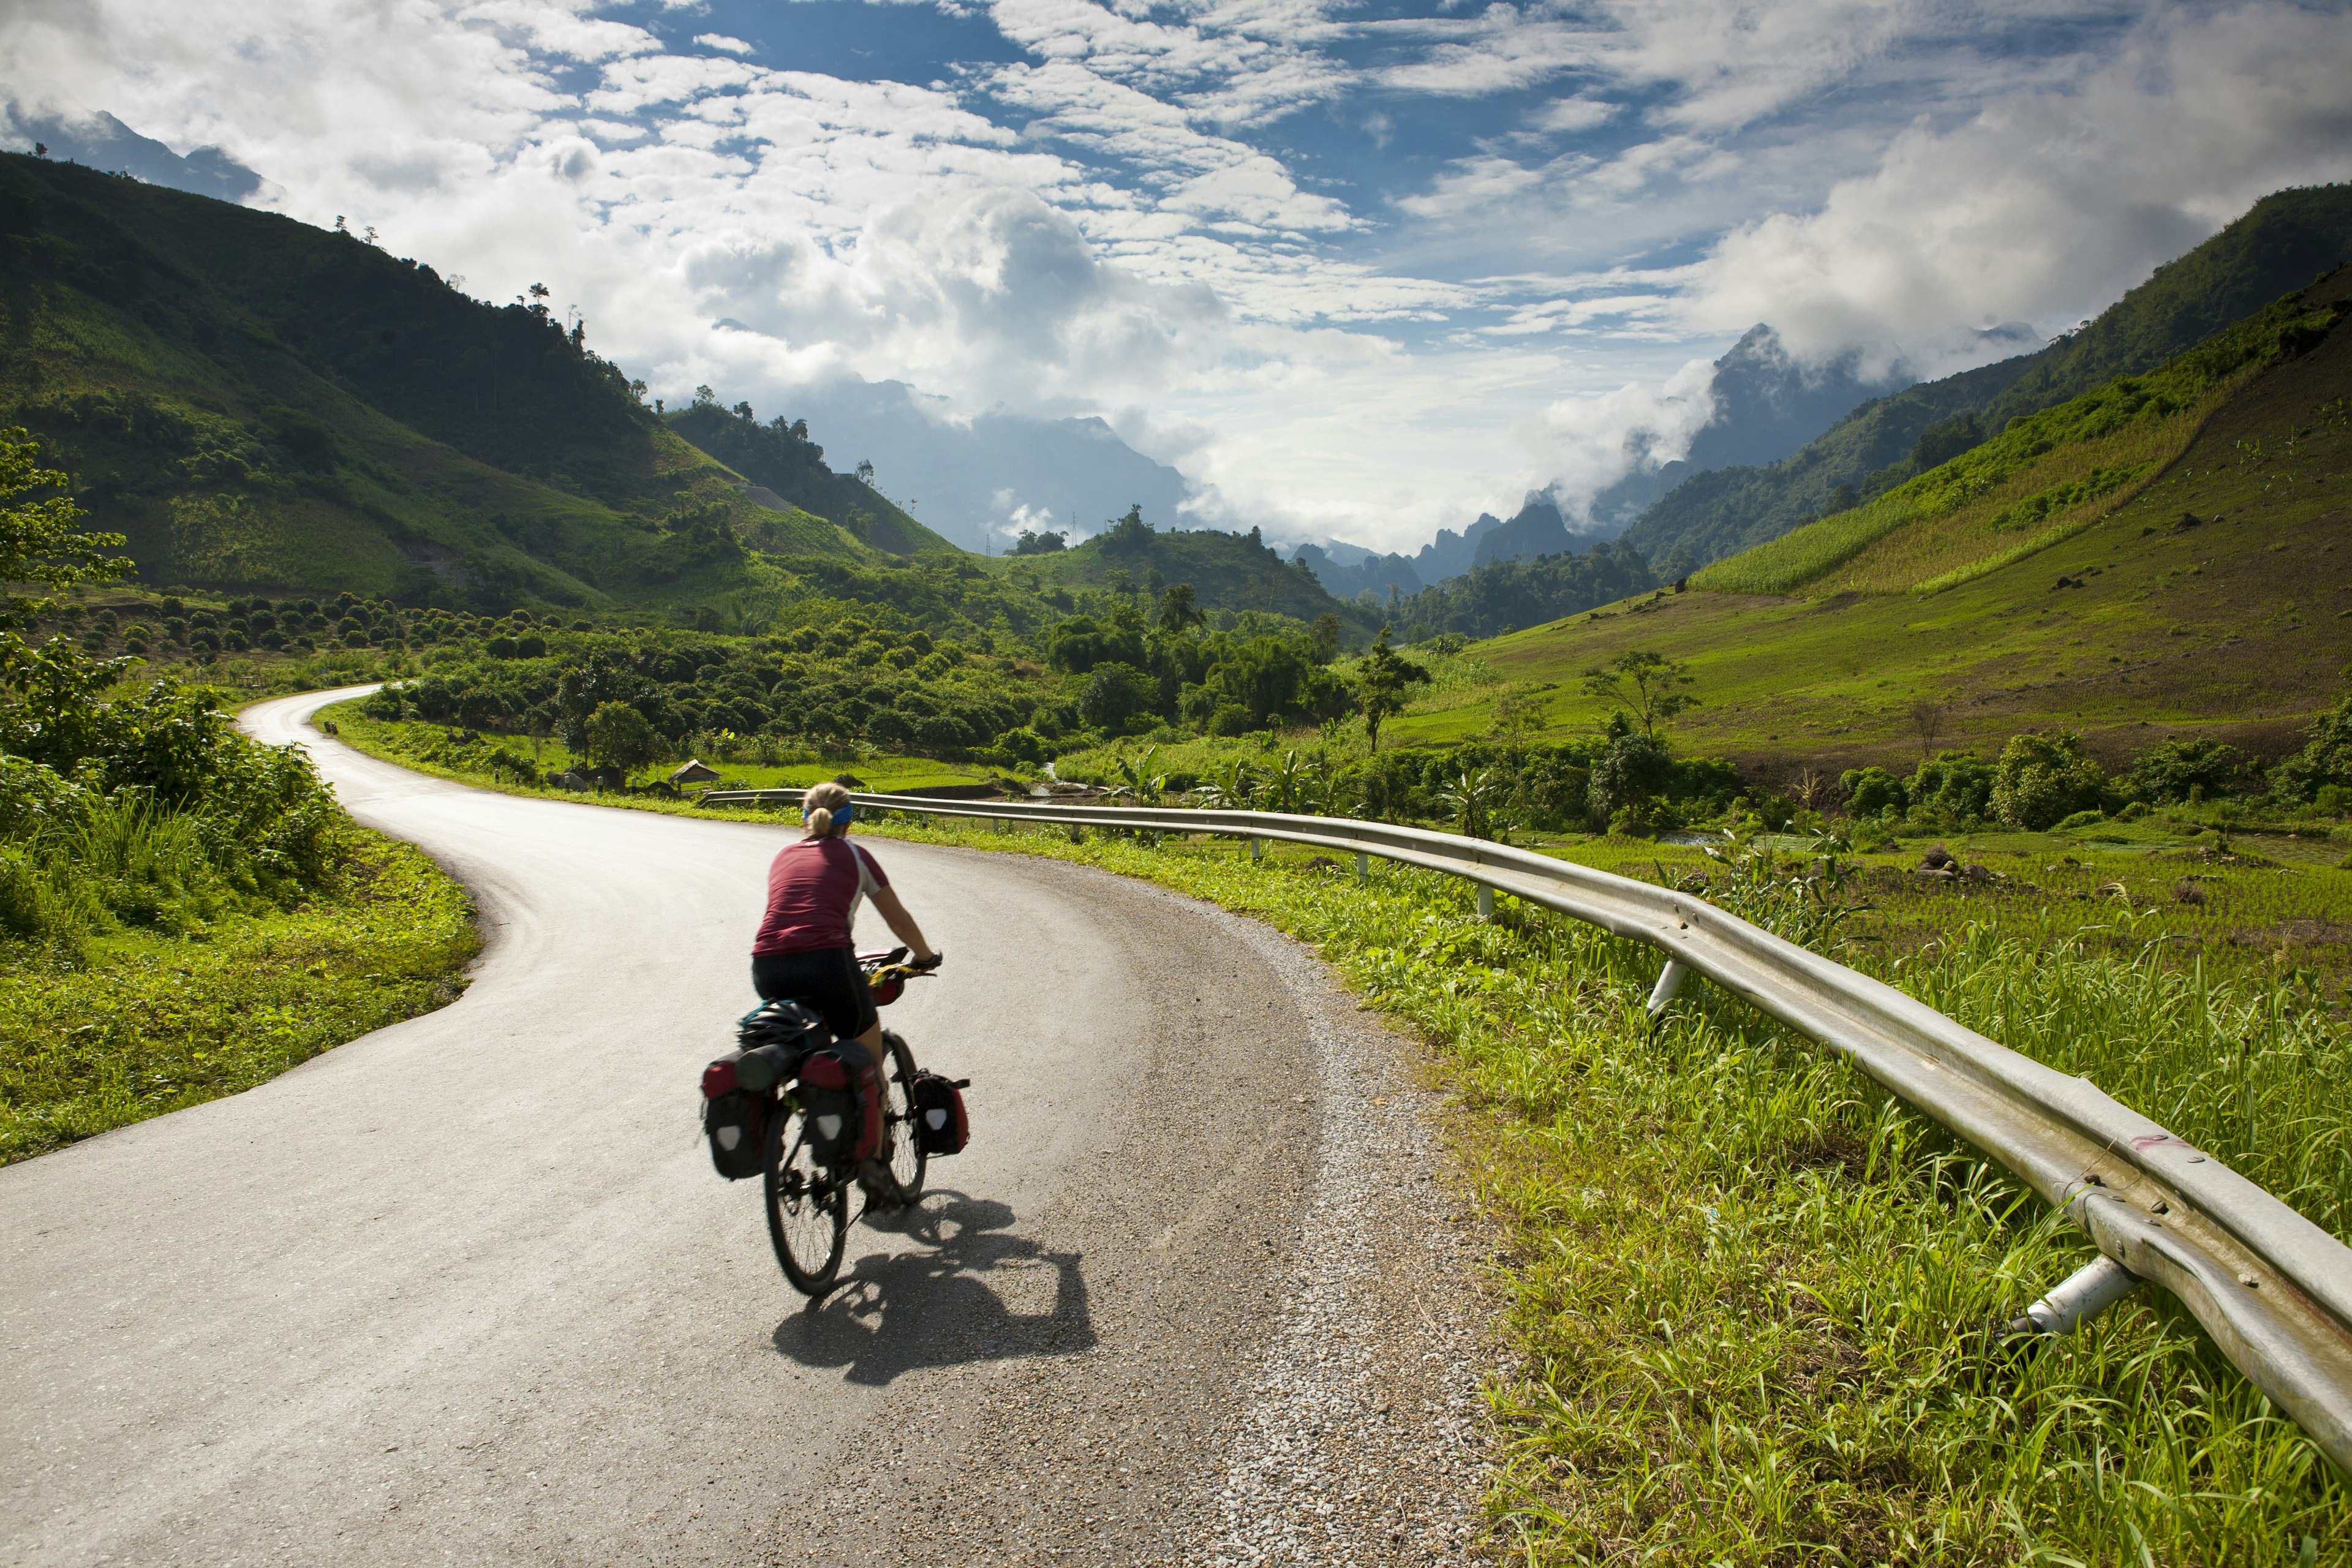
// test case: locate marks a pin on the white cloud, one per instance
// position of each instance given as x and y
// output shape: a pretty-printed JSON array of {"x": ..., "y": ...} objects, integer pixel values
[
  {"x": 2047, "y": 204},
  {"x": 1584, "y": 445},
  {"x": 1117, "y": 224}
]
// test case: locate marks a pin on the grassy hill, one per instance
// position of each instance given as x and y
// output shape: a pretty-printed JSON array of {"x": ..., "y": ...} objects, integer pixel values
[
  {"x": 2167, "y": 555},
  {"x": 1228, "y": 570},
  {"x": 258, "y": 403},
  {"x": 780, "y": 457},
  {"x": 2279, "y": 244}
]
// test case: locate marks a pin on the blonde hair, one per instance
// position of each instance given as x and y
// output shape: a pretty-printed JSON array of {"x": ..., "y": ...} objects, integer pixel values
[{"x": 817, "y": 806}]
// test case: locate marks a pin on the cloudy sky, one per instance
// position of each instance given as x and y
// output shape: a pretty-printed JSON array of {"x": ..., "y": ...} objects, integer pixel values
[{"x": 1363, "y": 269}]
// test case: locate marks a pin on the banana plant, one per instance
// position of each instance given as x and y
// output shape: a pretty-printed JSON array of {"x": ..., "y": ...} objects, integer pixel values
[
  {"x": 1469, "y": 801},
  {"x": 1137, "y": 782},
  {"x": 1233, "y": 785},
  {"x": 1287, "y": 785}
]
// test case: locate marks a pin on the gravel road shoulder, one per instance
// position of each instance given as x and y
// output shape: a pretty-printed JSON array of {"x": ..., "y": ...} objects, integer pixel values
[{"x": 1279, "y": 1354}]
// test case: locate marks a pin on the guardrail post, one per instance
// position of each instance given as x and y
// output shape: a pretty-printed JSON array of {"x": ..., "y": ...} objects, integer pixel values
[
  {"x": 1485, "y": 902},
  {"x": 2085, "y": 1293},
  {"x": 1670, "y": 980},
  {"x": 1257, "y": 849},
  {"x": 1363, "y": 867}
]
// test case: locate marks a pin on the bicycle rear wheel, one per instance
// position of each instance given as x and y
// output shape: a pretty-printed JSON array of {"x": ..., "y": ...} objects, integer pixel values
[
  {"x": 808, "y": 1207},
  {"x": 899, "y": 1125}
]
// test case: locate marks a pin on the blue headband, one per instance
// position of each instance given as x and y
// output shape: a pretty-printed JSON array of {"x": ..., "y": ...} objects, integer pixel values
[{"x": 845, "y": 812}]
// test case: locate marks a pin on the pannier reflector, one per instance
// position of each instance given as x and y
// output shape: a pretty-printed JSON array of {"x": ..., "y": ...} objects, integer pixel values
[
  {"x": 828, "y": 1127},
  {"x": 729, "y": 1136},
  {"x": 938, "y": 1119}
]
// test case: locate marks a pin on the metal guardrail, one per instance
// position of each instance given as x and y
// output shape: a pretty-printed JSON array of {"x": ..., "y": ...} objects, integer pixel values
[{"x": 2273, "y": 1289}]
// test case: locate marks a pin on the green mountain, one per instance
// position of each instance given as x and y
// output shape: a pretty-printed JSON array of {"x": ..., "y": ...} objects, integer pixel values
[
  {"x": 1236, "y": 572},
  {"x": 782, "y": 459},
  {"x": 258, "y": 403},
  {"x": 2283, "y": 242},
  {"x": 2163, "y": 556}
]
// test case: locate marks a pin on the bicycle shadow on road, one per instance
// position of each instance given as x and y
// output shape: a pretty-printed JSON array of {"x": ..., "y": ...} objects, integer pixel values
[{"x": 928, "y": 1306}]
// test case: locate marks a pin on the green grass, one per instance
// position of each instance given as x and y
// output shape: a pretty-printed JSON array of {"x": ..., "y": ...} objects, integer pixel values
[
  {"x": 142, "y": 1022},
  {"x": 1747, "y": 1296}
]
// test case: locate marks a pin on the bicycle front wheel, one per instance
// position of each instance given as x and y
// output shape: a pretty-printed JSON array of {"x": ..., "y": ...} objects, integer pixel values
[
  {"x": 898, "y": 1124},
  {"x": 808, "y": 1207}
]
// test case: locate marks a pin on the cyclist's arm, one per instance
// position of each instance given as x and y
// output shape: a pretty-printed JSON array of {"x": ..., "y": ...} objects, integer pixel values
[{"x": 902, "y": 924}]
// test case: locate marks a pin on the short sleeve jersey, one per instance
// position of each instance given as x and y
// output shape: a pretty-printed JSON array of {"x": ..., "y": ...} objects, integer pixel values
[{"x": 814, "y": 886}]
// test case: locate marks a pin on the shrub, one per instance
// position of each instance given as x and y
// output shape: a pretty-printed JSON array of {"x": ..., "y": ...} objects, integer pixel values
[
  {"x": 1871, "y": 790},
  {"x": 2165, "y": 772},
  {"x": 1116, "y": 696},
  {"x": 1953, "y": 785},
  {"x": 2043, "y": 778},
  {"x": 618, "y": 736},
  {"x": 1635, "y": 770}
]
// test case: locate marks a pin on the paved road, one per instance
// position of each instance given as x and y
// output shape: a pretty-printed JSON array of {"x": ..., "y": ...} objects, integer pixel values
[{"x": 467, "y": 1290}]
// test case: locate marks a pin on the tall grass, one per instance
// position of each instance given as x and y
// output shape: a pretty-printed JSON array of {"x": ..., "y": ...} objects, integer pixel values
[{"x": 1749, "y": 1295}]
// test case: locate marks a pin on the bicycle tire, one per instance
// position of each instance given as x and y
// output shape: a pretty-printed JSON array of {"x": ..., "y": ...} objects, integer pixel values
[
  {"x": 808, "y": 1207},
  {"x": 907, "y": 1160}
]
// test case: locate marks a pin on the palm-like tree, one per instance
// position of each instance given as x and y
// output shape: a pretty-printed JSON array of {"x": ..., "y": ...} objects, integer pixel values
[
  {"x": 1232, "y": 786},
  {"x": 1469, "y": 802}
]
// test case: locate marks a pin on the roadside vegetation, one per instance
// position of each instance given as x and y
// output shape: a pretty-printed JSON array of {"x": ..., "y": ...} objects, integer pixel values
[
  {"x": 182, "y": 912},
  {"x": 1750, "y": 1295}
]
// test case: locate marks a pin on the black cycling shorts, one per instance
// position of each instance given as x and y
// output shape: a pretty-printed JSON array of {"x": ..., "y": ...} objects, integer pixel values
[{"x": 826, "y": 978}]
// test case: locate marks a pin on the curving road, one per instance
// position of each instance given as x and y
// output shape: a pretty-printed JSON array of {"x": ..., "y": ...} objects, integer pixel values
[{"x": 467, "y": 1290}]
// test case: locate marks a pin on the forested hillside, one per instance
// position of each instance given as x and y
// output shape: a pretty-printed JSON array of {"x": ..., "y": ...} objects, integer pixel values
[
  {"x": 2282, "y": 243},
  {"x": 1227, "y": 571},
  {"x": 778, "y": 456},
  {"x": 256, "y": 402}
]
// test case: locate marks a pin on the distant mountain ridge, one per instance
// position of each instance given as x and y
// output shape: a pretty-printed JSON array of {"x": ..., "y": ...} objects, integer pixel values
[
  {"x": 105, "y": 143},
  {"x": 979, "y": 482},
  {"x": 2282, "y": 242}
]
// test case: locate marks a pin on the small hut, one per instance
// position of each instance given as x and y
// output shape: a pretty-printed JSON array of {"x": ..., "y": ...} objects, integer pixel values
[{"x": 694, "y": 770}]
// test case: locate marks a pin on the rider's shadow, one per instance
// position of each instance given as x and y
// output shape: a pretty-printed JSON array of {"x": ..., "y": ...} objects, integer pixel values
[{"x": 943, "y": 1303}]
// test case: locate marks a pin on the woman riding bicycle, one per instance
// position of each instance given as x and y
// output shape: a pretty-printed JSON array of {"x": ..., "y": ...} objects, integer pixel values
[{"x": 803, "y": 951}]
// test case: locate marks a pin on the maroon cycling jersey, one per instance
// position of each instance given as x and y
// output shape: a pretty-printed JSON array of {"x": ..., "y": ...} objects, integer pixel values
[{"x": 814, "y": 889}]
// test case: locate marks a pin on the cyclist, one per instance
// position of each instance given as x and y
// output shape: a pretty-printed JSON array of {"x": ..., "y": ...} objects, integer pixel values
[{"x": 804, "y": 950}]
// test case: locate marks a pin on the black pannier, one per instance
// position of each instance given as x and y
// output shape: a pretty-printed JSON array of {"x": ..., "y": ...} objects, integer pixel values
[
  {"x": 841, "y": 1113},
  {"x": 940, "y": 1125},
  {"x": 733, "y": 1119}
]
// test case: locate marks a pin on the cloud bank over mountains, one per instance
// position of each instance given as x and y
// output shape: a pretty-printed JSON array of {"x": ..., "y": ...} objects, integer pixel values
[{"x": 1353, "y": 269}]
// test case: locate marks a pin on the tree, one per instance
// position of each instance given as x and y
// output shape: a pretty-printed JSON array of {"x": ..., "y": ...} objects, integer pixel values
[
  {"x": 1382, "y": 678},
  {"x": 1326, "y": 638},
  {"x": 1179, "y": 607},
  {"x": 1926, "y": 722},
  {"x": 865, "y": 470},
  {"x": 1642, "y": 683},
  {"x": 1469, "y": 800},
  {"x": 40, "y": 541},
  {"x": 618, "y": 736},
  {"x": 1519, "y": 714},
  {"x": 2043, "y": 778}
]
